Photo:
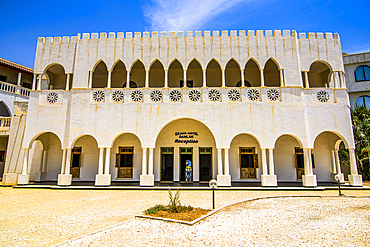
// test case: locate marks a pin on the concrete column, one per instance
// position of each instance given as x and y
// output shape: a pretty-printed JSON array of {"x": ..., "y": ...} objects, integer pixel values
[
  {"x": 109, "y": 83},
  {"x": 151, "y": 163},
  {"x": 227, "y": 168},
  {"x": 39, "y": 82},
  {"x": 242, "y": 78},
  {"x": 219, "y": 161},
  {"x": 223, "y": 78},
  {"x": 67, "y": 81},
  {"x": 19, "y": 79},
  {"x": 307, "y": 161},
  {"x": 262, "y": 78},
  {"x": 185, "y": 82},
  {"x": 308, "y": 180},
  {"x": 271, "y": 162},
  {"x": 264, "y": 163},
  {"x": 352, "y": 160},
  {"x": 143, "y": 169},
  {"x": 146, "y": 78},
  {"x": 343, "y": 79},
  {"x": 147, "y": 179},
  {"x": 354, "y": 178},
  {"x": 128, "y": 79},
  {"x": 204, "y": 78},
  {"x": 68, "y": 161},
  {"x": 24, "y": 178},
  {"x": 107, "y": 161},
  {"x": 337, "y": 161},
  {"x": 25, "y": 161},
  {"x": 281, "y": 78},
  {"x": 333, "y": 162},
  {"x": 334, "y": 79},
  {"x": 63, "y": 161},
  {"x": 165, "y": 78},
  {"x": 65, "y": 178},
  {"x": 34, "y": 82},
  {"x": 306, "y": 82},
  {"x": 90, "y": 79},
  {"x": 101, "y": 157},
  {"x": 44, "y": 157}
]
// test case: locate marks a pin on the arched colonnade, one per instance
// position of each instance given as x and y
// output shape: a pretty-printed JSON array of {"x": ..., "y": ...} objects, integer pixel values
[{"x": 245, "y": 160}]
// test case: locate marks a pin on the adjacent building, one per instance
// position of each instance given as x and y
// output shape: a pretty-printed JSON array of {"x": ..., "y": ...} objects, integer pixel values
[{"x": 262, "y": 107}]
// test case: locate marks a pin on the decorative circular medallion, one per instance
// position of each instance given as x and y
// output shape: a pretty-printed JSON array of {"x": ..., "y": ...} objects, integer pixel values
[
  {"x": 98, "y": 96},
  {"x": 322, "y": 96},
  {"x": 214, "y": 95},
  {"x": 136, "y": 95},
  {"x": 175, "y": 95},
  {"x": 194, "y": 95},
  {"x": 24, "y": 107},
  {"x": 273, "y": 94},
  {"x": 117, "y": 96},
  {"x": 156, "y": 95},
  {"x": 52, "y": 97},
  {"x": 253, "y": 94},
  {"x": 233, "y": 95}
]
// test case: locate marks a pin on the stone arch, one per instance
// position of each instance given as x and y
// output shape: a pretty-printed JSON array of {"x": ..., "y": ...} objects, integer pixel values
[
  {"x": 45, "y": 160},
  {"x": 156, "y": 74},
  {"x": 130, "y": 141},
  {"x": 73, "y": 142},
  {"x": 285, "y": 157},
  {"x": 252, "y": 74},
  {"x": 232, "y": 73},
  {"x": 323, "y": 145},
  {"x": 194, "y": 73},
  {"x": 214, "y": 73},
  {"x": 85, "y": 167},
  {"x": 175, "y": 73},
  {"x": 319, "y": 74},
  {"x": 271, "y": 73},
  {"x": 192, "y": 135},
  {"x": 137, "y": 73},
  {"x": 100, "y": 75},
  {"x": 340, "y": 136},
  {"x": 4, "y": 110},
  {"x": 55, "y": 77},
  {"x": 245, "y": 166},
  {"x": 119, "y": 74}
]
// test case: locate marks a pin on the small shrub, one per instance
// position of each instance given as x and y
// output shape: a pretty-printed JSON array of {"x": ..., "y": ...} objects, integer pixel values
[{"x": 155, "y": 209}]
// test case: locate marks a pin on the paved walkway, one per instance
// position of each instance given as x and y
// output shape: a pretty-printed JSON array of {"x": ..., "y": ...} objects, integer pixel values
[{"x": 42, "y": 217}]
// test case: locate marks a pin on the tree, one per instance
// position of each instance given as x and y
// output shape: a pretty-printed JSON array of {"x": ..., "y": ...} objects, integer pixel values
[{"x": 361, "y": 132}]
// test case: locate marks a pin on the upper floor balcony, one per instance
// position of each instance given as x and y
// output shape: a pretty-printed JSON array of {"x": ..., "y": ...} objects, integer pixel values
[
  {"x": 14, "y": 89},
  {"x": 5, "y": 125}
]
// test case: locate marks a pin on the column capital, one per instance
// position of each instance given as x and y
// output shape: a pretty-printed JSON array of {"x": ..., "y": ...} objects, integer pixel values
[{"x": 26, "y": 148}]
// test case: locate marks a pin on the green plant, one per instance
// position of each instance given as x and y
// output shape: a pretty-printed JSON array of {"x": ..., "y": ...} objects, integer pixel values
[
  {"x": 174, "y": 203},
  {"x": 155, "y": 209}
]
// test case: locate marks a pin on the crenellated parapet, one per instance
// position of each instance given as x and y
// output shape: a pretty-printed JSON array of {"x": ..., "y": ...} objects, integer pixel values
[{"x": 292, "y": 52}]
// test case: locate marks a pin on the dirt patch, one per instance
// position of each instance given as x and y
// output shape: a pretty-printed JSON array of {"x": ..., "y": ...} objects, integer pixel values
[{"x": 185, "y": 216}]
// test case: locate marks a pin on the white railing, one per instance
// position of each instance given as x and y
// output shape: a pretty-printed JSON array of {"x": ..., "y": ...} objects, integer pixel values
[
  {"x": 5, "y": 123},
  {"x": 11, "y": 88}
]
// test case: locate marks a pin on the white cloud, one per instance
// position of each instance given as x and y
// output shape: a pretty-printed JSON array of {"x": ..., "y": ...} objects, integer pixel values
[{"x": 184, "y": 15}]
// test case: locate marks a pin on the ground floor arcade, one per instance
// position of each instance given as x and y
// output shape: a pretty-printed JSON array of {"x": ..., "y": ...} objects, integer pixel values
[{"x": 185, "y": 151}]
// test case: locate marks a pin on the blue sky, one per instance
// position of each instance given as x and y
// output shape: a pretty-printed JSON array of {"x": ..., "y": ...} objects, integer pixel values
[{"x": 21, "y": 22}]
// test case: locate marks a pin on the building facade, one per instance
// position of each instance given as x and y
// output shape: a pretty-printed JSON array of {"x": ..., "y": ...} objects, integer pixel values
[
  {"x": 240, "y": 107},
  {"x": 15, "y": 86},
  {"x": 357, "y": 69}
]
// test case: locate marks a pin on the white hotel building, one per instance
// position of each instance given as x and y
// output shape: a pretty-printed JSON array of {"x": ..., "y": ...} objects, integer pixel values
[{"x": 262, "y": 107}]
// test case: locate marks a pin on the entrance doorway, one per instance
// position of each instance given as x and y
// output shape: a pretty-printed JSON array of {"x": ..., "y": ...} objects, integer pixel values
[
  {"x": 205, "y": 164},
  {"x": 167, "y": 164},
  {"x": 299, "y": 162},
  {"x": 186, "y": 164},
  {"x": 76, "y": 162},
  {"x": 124, "y": 162},
  {"x": 248, "y": 163}
]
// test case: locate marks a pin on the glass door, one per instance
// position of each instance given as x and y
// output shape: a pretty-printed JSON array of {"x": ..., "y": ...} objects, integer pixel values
[
  {"x": 76, "y": 162},
  {"x": 186, "y": 164},
  {"x": 167, "y": 164},
  {"x": 124, "y": 162},
  {"x": 205, "y": 164}
]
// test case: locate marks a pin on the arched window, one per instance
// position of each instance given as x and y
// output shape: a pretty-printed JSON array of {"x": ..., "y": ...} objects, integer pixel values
[
  {"x": 4, "y": 110},
  {"x": 363, "y": 101},
  {"x": 362, "y": 73},
  {"x": 56, "y": 78},
  {"x": 100, "y": 76},
  {"x": 318, "y": 76}
]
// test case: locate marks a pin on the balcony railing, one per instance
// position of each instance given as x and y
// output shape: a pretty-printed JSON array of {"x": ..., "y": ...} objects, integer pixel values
[
  {"x": 5, "y": 123},
  {"x": 11, "y": 88}
]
